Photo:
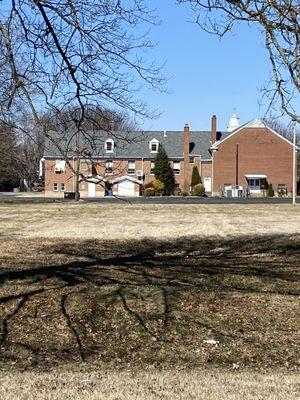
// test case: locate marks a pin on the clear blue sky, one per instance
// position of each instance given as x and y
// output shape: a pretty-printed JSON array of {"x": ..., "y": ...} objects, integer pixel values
[{"x": 207, "y": 75}]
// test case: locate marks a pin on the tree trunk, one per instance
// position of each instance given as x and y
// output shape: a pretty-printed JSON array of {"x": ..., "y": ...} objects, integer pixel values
[{"x": 77, "y": 192}]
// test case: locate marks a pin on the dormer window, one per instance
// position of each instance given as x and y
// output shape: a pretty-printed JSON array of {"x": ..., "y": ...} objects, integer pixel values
[
  {"x": 153, "y": 145},
  {"x": 109, "y": 146}
]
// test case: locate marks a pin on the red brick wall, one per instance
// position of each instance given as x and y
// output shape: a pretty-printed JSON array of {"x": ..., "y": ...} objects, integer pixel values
[
  {"x": 260, "y": 151},
  {"x": 52, "y": 177},
  {"x": 206, "y": 168},
  {"x": 119, "y": 169}
]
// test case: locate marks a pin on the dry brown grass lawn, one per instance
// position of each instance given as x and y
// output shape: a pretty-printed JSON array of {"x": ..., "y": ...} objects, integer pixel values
[
  {"x": 167, "y": 385},
  {"x": 144, "y": 287},
  {"x": 95, "y": 221}
]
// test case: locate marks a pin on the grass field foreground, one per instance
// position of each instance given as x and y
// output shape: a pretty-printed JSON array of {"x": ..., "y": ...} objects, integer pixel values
[
  {"x": 199, "y": 306},
  {"x": 149, "y": 385},
  {"x": 98, "y": 221}
]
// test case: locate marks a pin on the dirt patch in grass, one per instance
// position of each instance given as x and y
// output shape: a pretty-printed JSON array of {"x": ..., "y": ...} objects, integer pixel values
[{"x": 142, "y": 303}]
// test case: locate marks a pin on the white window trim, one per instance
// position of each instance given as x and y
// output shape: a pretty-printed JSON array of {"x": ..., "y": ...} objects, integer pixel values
[
  {"x": 176, "y": 171},
  {"x": 57, "y": 187},
  {"x": 131, "y": 171},
  {"x": 60, "y": 187},
  {"x": 153, "y": 141},
  {"x": 112, "y": 146},
  {"x": 152, "y": 173}
]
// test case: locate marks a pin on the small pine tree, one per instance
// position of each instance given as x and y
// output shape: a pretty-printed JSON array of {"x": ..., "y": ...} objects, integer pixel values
[
  {"x": 163, "y": 172},
  {"x": 196, "y": 178},
  {"x": 270, "y": 190},
  {"x": 169, "y": 182}
]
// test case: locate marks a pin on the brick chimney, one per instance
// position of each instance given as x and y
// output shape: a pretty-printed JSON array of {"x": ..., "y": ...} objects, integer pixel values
[
  {"x": 213, "y": 129},
  {"x": 186, "y": 157}
]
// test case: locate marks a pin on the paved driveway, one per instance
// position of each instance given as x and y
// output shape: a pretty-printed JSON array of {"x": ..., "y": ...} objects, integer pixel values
[{"x": 40, "y": 198}]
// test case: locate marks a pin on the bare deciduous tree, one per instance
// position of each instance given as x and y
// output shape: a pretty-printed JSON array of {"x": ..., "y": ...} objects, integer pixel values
[
  {"x": 19, "y": 157},
  {"x": 74, "y": 53},
  {"x": 279, "y": 23}
]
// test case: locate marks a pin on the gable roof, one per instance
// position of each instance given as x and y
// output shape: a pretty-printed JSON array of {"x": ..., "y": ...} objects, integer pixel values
[
  {"x": 126, "y": 178},
  {"x": 254, "y": 123},
  {"x": 130, "y": 145}
]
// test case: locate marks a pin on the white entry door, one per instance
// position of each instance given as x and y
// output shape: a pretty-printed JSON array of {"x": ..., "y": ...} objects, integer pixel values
[
  {"x": 207, "y": 184},
  {"x": 91, "y": 189},
  {"x": 126, "y": 188}
]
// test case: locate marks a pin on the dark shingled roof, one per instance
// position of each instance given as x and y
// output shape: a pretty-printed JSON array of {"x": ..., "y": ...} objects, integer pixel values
[{"x": 132, "y": 145}]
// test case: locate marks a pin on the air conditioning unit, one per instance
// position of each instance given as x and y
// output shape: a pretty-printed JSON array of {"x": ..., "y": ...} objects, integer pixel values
[
  {"x": 60, "y": 166},
  {"x": 139, "y": 172}
]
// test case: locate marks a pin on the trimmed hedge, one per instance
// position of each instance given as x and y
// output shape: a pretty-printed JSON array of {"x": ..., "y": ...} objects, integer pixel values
[
  {"x": 199, "y": 190},
  {"x": 150, "y": 191}
]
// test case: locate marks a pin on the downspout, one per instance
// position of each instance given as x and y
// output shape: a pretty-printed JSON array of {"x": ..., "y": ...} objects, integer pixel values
[
  {"x": 212, "y": 172},
  {"x": 41, "y": 167},
  {"x": 200, "y": 165},
  {"x": 237, "y": 166},
  {"x": 73, "y": 174}
]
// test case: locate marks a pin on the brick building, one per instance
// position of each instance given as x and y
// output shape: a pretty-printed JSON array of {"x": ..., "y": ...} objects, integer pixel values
[{"x": 242, "y": 161}]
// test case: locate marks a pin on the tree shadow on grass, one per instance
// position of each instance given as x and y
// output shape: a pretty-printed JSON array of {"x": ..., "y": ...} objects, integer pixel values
[{"x": 140, "y": 301}]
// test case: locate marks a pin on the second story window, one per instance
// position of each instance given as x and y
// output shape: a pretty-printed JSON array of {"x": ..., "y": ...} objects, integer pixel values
[
  {"x": 176, "y": 167},
  {"x": 131, "y": 167},
  {"x": 108, "y": 167},
  {"x": 152, "y": 167},
  {"x": 109, "y": 146}
]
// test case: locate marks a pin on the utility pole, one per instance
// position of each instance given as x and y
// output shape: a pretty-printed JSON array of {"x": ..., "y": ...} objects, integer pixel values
[
  {"x": 237, "y": 165},
  {"x": 294, "y": 163}
]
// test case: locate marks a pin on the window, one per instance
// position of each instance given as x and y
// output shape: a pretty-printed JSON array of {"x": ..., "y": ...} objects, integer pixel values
[
  {"x": 192, "y": 160},
  {"x": 131, "y": 167},
  {"x": 176, "y": 167},
  {"x": 108, "y": 167},
  {"x": 60, "y": 165},
  {"x": 109, "y": 145},
  {"x": 154, "y": 145},
  {"x": 254, "y": 182},
  {"x": 152, "y": 167},
  {"x": 62, "y": 187},
  {"x": 55, "y": 187}
]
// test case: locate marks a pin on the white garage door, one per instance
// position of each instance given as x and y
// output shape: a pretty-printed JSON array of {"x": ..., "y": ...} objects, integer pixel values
[
  {"x": 91, "y": 189},
  {"x": 126, "y": 188}
]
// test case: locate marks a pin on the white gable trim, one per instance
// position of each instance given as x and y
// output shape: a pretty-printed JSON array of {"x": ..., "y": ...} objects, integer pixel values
[
  {"x": 255, "y": 123},
  {"x": 126, "y": 177}
]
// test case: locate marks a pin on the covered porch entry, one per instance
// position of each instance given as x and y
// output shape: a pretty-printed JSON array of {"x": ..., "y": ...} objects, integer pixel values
[{"x": 257, "y": 184}]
